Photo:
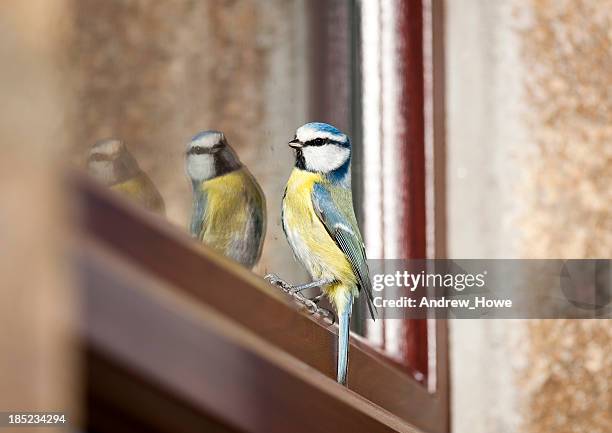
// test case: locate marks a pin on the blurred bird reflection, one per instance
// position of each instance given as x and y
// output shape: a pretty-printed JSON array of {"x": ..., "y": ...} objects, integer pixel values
[
  {"x": 111, "y": 163},
  {"x": 229, "y": 207}
]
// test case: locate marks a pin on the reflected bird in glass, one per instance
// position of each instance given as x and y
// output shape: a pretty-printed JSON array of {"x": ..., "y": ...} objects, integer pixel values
[
  {"x": 112, "y": 163},
  {"x": 229, "y": 207},
  {"x": 320, "y": 225}
]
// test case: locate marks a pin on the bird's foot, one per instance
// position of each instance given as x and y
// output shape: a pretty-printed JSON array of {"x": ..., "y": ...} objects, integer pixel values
[
  {"x": 313, "y": 307},
  {"x": 317, "y": 298},
  {"x": 277, "y": 281},
  {"x": 295, "y": 292}
]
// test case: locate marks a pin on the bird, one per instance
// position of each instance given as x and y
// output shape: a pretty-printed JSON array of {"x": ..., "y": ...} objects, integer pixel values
[
  {"x": 320, "y": 225},
  {"x": 110, "y": 162},
  {"x": 229, "y": 206}
]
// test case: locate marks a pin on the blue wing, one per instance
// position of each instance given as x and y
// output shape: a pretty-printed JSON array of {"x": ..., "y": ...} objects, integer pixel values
[
  {"x": 344, "y": 231},
  {"x": 199, "y": 209}
]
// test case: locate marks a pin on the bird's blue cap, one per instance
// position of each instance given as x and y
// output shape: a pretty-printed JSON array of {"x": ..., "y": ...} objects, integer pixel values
[
  {"x": 207, "y": 140},
  {"x": 324, "y": 127},
  {"x": 209, "y": 133},
  {"x": 315, "y": 130}
]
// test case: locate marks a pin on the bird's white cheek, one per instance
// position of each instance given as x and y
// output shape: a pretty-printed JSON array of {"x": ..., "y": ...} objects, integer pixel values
[
  {"x": 325, "y": 158},
  {"x": 102, "y": 170},
  {"x": 200, "y": 167}
]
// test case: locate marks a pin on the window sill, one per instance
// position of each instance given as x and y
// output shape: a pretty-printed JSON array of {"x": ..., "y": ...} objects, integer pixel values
[{"x": 272, "y": 365}]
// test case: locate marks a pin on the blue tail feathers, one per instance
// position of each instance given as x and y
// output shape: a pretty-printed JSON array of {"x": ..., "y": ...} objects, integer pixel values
[{"x": 343, "y": 341}]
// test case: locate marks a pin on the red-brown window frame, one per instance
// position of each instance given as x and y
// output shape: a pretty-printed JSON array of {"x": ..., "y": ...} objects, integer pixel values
[{"x": 335, "y": 96}]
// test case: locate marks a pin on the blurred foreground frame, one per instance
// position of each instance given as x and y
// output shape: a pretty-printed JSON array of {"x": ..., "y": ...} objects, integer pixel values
[
  {"x": 38, "y": 366},
  {"x": 177, "y": 337}
]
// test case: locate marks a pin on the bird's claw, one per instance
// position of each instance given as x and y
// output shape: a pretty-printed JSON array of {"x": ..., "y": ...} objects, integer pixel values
[
  {"x": 277, "y": 281},
  {"x": 313, "y": 308},
  {"x": 310, "y": 304}
]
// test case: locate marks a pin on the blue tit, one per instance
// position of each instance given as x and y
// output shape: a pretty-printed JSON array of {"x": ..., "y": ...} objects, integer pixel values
[
  {"x": 111, "y": 163},
  {"x": 229, "y": 208},
  {"x": 320, "y": 224}
]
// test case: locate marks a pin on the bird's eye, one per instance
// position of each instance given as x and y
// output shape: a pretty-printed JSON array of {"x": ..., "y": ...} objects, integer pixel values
[
  {"x": 198, "y": 150},
  {"x": 99, "y": 157},
  {"x": 318, "y": 142}
]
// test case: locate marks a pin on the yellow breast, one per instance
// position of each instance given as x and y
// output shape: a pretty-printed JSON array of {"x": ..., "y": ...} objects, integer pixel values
[
  {"x": 308, "y": 237},
  {"x": 230, "y": 200},
  {"x": 140, "y": 189}
]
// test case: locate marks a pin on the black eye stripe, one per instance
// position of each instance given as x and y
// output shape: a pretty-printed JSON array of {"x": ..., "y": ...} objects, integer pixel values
[
  {"x": 199, "y": 150},
  {"x": 100, "y": 157},
  {"x": 321, "y": 142},
  {"x": 316, "y": 142}
]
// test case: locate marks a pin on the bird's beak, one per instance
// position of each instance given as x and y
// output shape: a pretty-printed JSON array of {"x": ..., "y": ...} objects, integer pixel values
[{"x": 296, "y": 144}]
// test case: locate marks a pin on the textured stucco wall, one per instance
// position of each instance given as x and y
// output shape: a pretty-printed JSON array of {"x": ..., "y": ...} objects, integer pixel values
[
  {"x": 529, "y": 106},
  {"x": 154, "y": 73},
  {"x": 567, "y": 48}
]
